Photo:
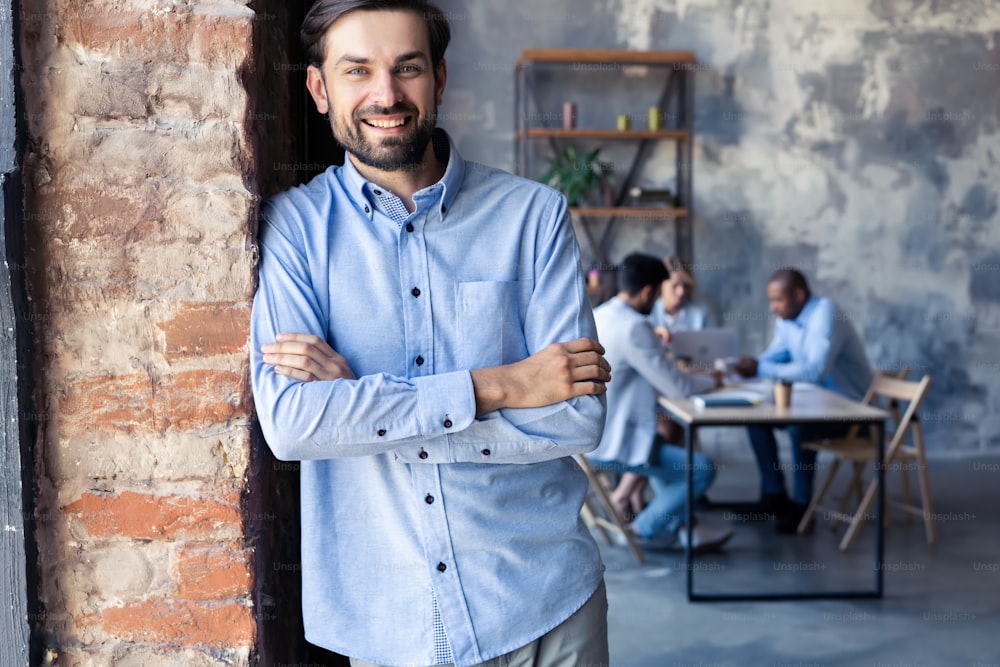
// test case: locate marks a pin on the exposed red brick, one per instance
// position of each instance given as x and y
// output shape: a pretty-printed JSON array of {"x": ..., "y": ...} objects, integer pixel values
[
  {"x": 143, "y": 516},
  {"x": 82, "y": 211},
  {"x": 212, "y": 573},
  {"x": 227, "y": 624},
  {"x": 205, "y": 329},
  {"x": 176, "y": 36},
  {"x": 136, "y": 404},
  {"x": 199, "y": 398}
]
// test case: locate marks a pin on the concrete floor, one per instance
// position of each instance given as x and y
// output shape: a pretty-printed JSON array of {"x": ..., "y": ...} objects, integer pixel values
[{"x": 941, "y": 603}]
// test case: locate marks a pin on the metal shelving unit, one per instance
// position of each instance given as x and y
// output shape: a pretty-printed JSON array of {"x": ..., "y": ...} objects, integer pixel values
[{"x": 674, "y": 70}]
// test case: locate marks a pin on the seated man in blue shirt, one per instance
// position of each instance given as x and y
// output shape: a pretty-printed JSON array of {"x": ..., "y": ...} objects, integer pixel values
[
  {"x": 630, "y": 443},
  {"x": 814, "y": 341},
  {"x": 422, "y": 342}
]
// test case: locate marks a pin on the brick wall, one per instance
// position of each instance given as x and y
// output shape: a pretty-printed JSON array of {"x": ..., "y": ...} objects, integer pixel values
[{"x": 141, "y": 176}]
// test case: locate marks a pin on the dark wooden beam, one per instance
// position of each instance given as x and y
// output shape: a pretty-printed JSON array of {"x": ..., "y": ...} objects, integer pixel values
[{"x": 18, "y": 555}]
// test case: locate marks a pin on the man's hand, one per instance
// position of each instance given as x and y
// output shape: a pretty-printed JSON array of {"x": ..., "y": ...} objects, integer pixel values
[
  {"x": 559, "y": 372},
  {"x": 663, "y": 334},
  {"x": 746, "y": 366},
  {"x": 305, "y": 357}
]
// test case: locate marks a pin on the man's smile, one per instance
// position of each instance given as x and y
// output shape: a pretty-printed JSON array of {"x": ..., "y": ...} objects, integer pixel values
[{"x": 386, "y": 123}]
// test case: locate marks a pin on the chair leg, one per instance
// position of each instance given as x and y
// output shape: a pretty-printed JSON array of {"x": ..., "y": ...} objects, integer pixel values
[
  {"x": 590, "y": 518},
  {"x": 859, "y": 516},
  {"x": 854, "y": 488},
  {"x": 605, "y": 502},
  {"x": 818, "y": 497}
]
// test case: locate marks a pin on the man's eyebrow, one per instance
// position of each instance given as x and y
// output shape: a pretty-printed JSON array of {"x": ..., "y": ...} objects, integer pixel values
[
  {"x": 412, "y": 55},
  {"x": 361, "y": 60},
  {"x": 358, "y": 60}
]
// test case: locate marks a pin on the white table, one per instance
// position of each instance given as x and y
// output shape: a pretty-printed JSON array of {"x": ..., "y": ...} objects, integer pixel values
[{"x": 810, "y": 405}]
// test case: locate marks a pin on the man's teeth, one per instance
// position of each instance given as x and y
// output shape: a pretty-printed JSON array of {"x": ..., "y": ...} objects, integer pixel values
[{"x": 386, "y": 123}]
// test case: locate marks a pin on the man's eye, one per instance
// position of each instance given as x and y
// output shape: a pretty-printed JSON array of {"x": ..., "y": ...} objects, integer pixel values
[
  {"x": 408, "y": 69},
  {"x": 356, "y": 70}
]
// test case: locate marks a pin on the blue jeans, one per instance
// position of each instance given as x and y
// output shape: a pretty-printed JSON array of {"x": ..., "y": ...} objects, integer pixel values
[
  {"x": 666, "y": 473},
  {"x": 765, "y": 449}
]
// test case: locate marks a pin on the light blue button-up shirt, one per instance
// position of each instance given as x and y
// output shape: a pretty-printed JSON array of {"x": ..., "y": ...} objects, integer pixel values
[
  {"x": 407, "y": 497},
  {"x": 819, "y": 346}
]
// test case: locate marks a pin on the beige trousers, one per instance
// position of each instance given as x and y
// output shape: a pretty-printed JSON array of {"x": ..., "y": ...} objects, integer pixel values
[{"x": 579, "y": 641}]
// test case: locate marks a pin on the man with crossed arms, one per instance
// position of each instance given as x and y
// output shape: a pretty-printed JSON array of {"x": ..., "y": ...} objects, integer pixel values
[{"x": 422, "y": 342}]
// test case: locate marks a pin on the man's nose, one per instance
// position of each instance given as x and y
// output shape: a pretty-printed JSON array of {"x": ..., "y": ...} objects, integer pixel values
[{"x": 385, "y": 90}]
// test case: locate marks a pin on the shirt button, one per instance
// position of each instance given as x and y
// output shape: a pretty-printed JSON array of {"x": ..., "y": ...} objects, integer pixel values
[
  {"x": 409, "y": 226},
  {"x": 367, "y": 210},
  {"x": 443, "y": 209},
  {"x": 420, "y": 361},
  {"x": 377, "y": 192},
  {"x": 447, "y": 423},
  {"x": 423, "y": 454},
  {"x": 486, "y": 452},
  {"x": 381, "y": 432},
  {"x": 442, "y": 567},
  {"x": 429, "y": 499},
  {"x": 415, "y": 292}
]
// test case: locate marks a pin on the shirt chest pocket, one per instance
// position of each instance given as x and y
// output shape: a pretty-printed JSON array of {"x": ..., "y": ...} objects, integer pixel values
[{"x": 489, "y": 326}]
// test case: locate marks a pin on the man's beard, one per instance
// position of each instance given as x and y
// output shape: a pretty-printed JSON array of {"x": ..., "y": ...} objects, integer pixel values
[{"x": 397, "y": 153}]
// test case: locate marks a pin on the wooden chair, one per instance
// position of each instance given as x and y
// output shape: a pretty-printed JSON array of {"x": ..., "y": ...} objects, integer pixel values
[
  {"x": 598, "y": 511},
  {"x": 861, "y": 450},
  {"x": 855, "y": 488}
]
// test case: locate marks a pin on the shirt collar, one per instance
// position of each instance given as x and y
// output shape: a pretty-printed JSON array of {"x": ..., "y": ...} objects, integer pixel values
[
  {"x": 806, "y": 312},
  {"x": 443, "y": 192}
]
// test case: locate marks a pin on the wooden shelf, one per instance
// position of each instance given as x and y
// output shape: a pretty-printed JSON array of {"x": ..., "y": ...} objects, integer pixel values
[
  {"x": 543, "y": 76},
  {"x": 579, "y": 133},
  {"x": 615, "y": 56},
  {"x": 629, "y": 211}
]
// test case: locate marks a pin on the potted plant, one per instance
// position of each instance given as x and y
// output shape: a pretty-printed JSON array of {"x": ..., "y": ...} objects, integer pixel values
[{"x": 582, "y": 177}]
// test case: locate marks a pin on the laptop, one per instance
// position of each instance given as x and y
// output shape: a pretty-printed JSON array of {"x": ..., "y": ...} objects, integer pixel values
[{"x": 702, "y": 348}]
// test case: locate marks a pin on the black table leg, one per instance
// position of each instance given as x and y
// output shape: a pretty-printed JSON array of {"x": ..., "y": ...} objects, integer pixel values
[
  {"x": 879, "y": 508},
  {"x": 689, "y": 509}
]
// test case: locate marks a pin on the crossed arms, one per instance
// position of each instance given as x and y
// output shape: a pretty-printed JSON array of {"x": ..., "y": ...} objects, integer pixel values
[
  {"x": 312, "y": 404},
  {"x": 557, "y": 373}
]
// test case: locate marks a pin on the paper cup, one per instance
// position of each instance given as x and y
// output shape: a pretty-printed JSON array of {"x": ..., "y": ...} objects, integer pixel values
[{"x": 782, "y": 394}]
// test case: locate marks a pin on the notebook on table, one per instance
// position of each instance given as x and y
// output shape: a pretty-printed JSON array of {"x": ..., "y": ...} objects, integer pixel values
[{"x": 728, "y": 399}]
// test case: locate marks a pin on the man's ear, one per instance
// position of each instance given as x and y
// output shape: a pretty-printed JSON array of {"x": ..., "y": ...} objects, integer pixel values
[
  {"x": 440, "y": 78},
  {"x": 317, "y": 88}
]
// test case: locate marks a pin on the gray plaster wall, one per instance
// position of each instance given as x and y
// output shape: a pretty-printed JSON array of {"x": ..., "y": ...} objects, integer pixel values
[{"x": 856, "y": 139}]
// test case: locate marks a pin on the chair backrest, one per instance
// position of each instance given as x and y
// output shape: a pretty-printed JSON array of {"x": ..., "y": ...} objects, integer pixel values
[
  {"x": 872, "y": 396},
  {"x": 912, "y": 393}
]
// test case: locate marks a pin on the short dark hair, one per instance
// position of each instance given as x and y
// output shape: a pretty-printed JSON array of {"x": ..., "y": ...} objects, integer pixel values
[
  {"x": 324, "y": 13},
  {"x": 791, "y": 279},
  {"x": 638, "y": 270}
]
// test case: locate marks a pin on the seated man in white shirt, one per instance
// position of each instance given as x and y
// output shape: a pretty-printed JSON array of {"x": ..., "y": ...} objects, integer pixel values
[
  {"x": 813, "y": 342},
  {"x": 673, "y": 311},
  {"x": 630, "y": 443}
]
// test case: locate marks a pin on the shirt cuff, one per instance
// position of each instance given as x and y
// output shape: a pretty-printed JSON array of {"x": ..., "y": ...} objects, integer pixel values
[
  {"x": 446, "y": 404},
  {"x": 768, "y": 369}
]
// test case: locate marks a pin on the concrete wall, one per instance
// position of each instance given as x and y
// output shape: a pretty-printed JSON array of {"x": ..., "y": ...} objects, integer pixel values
[{"x": 858, "y": 140}]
